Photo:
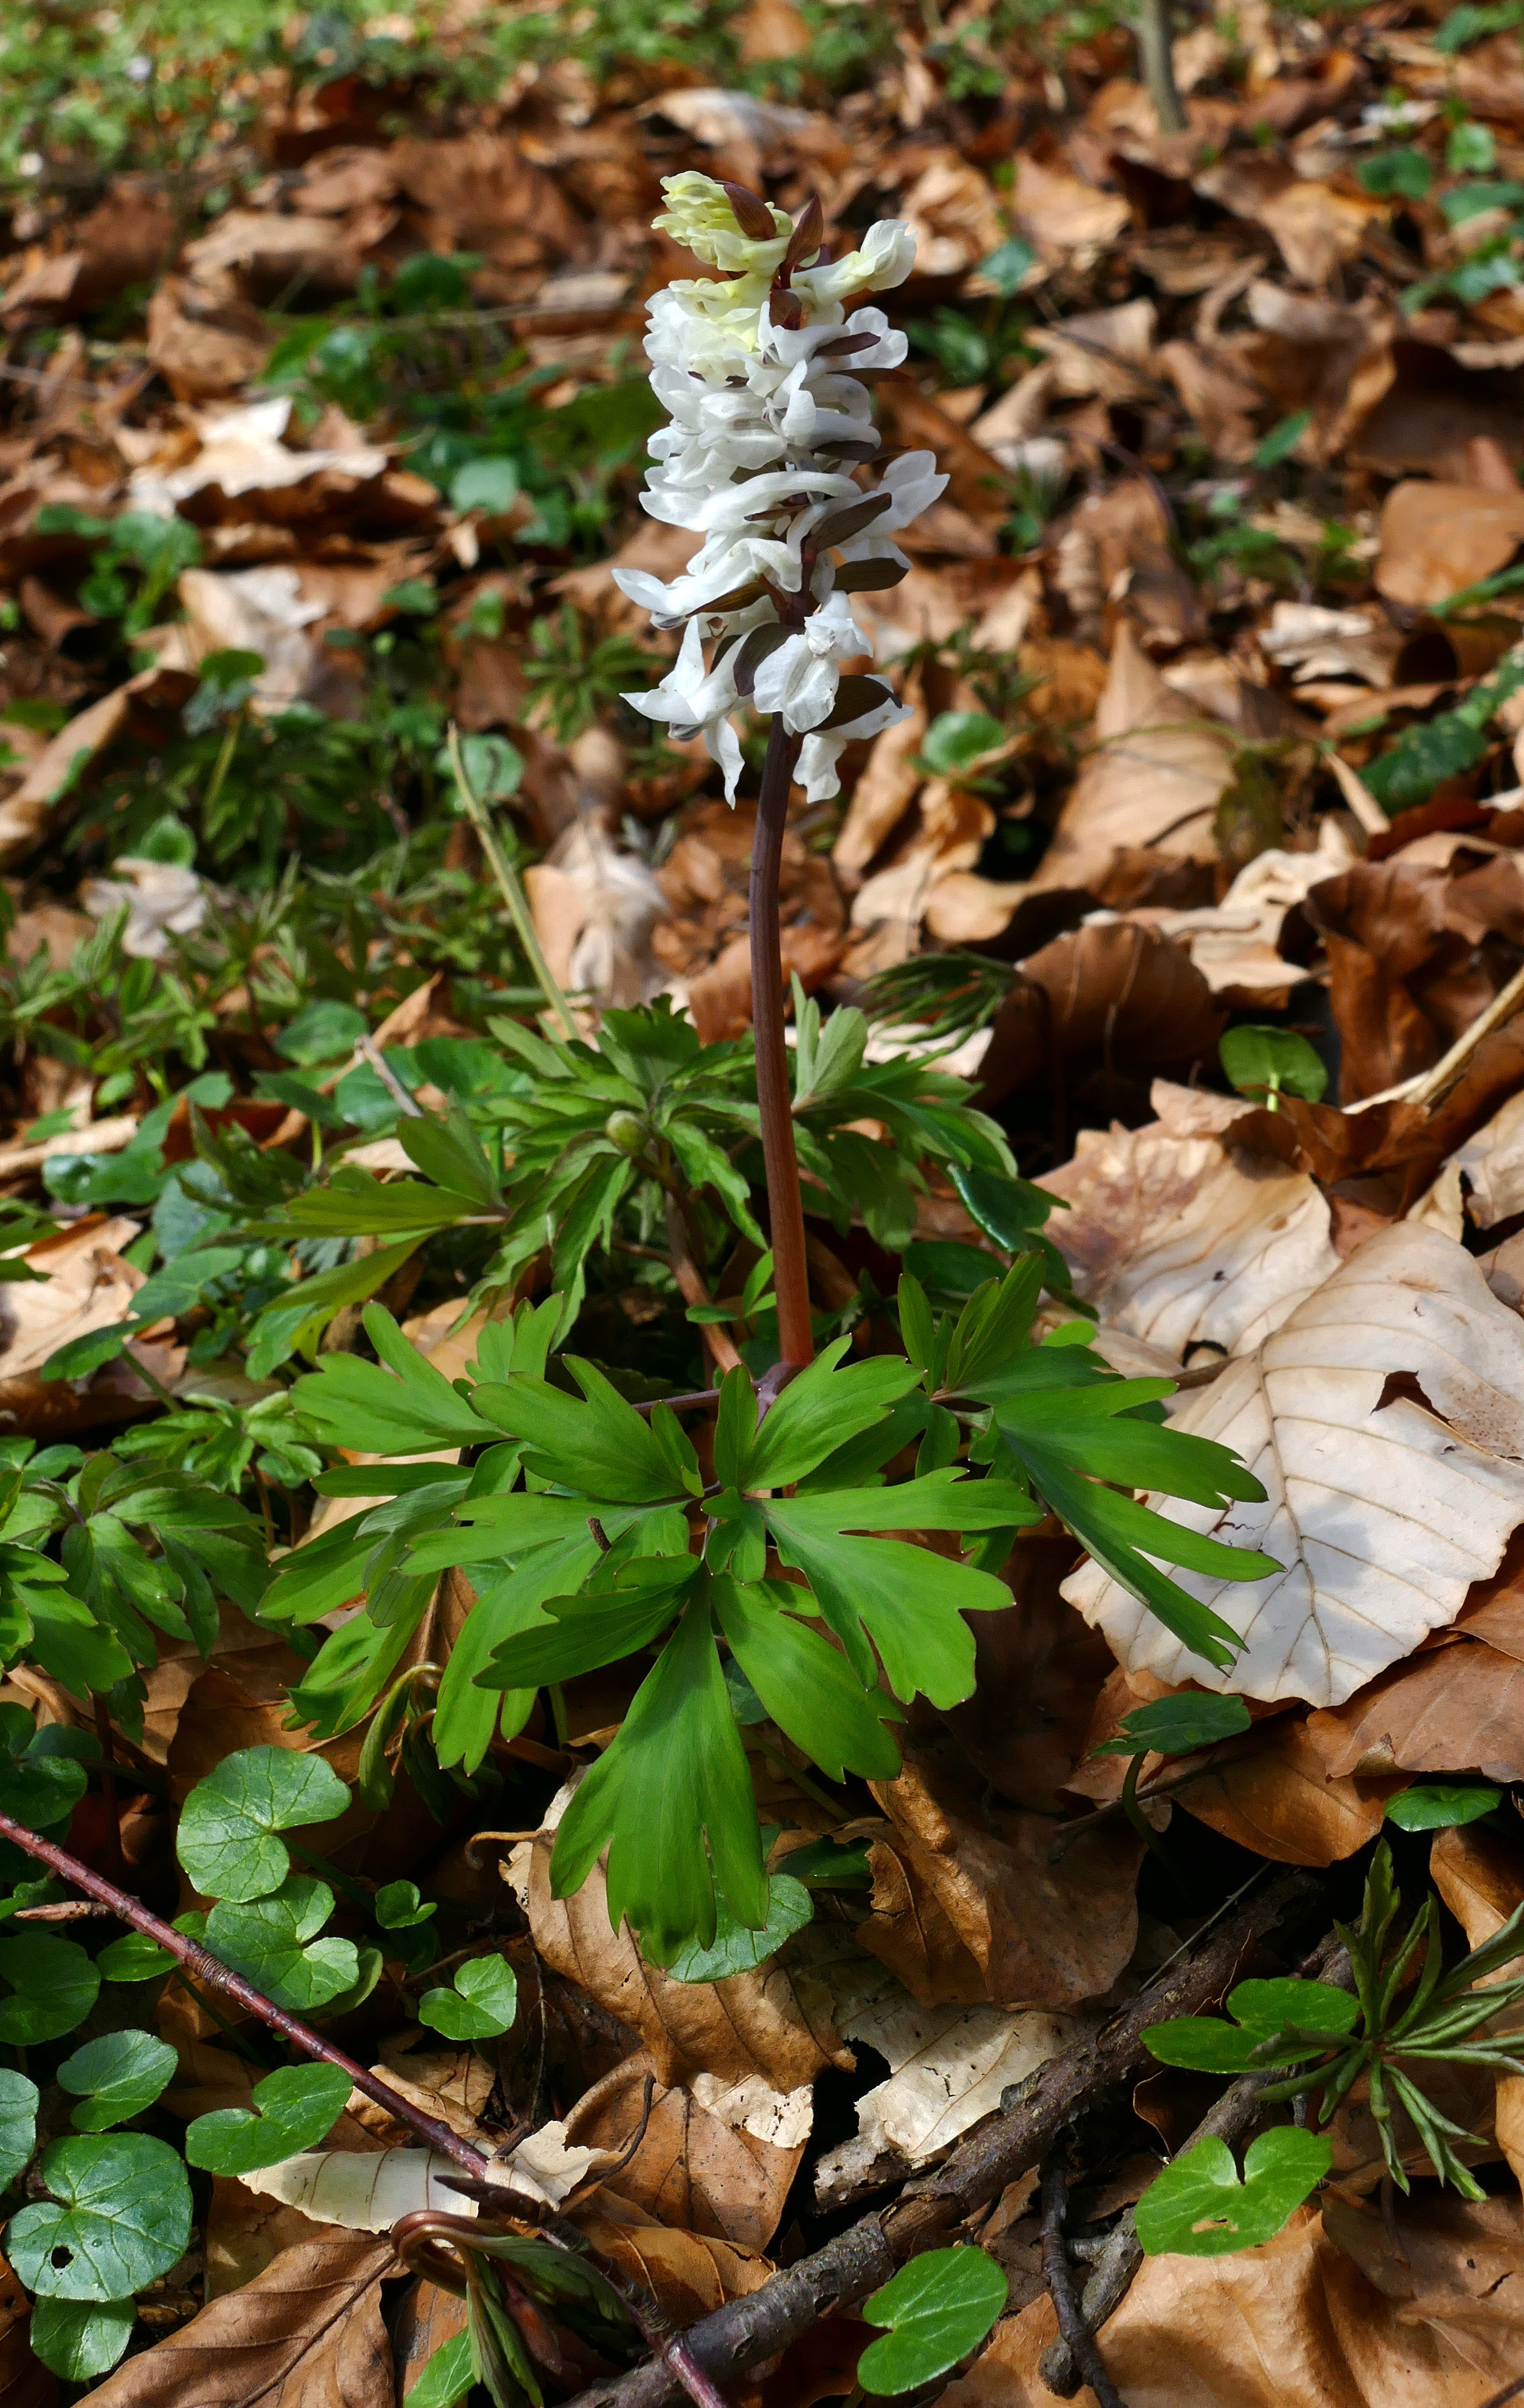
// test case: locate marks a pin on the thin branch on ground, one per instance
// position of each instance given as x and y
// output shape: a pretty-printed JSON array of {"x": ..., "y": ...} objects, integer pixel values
[{"x": 1078, "y": 2338}]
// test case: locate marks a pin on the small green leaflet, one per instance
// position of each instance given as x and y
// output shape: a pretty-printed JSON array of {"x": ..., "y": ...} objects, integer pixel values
[
  {"x": 447, "y": 2378},
  {"x": 1178, "y": 1725},
  {"x": 1199, "y": 2208},
  {"x": 1274, "y": 2023},
  {"x": 483, "y": 2003},
  {"x": 116, "y": 2077},
  {"x": 1268, "y": 1062},
  {"x": 937, "y": 2309},
  {"x": 400, "y": 1908},
  {"x": 79, "y": 2339},
  {"x": 226, "y": 1839},
  {"x": 134, "y": 1957},
  {"x": 293, "y": 2108},
  {"x": 737, "y": 1948},
  {"x": 18, "y": 2123},
  {"x": 1439, "y": 1805},
  {"x": 118, "y": 2216}
]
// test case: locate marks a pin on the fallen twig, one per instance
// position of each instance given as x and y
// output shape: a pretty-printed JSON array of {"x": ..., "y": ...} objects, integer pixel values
[
  {"x": 1078, "y": 2338},
  {"x": 1033, "y": 2115}
]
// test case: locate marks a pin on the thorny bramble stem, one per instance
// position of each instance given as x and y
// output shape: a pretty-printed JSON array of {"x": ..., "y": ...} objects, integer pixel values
[{"x": 206, "y": 1967}]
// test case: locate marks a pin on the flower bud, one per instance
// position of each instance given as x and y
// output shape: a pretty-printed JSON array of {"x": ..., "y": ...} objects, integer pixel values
[
  {"x": 627, "y": 1131},
  {"x": 701, "y": 215}
]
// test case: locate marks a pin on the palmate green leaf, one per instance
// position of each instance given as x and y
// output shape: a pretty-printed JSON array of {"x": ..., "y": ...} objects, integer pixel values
[
  {"x": 118, "y": 2218},
  {"x": 736, "y": 1948},
  {"x": 355, "y": 1204},
  {"x": 447, "y": 2378},
  {"x": 820, "y": 1410},
  {"x": 482, "y": 2004},
  {"x": 398, "y": 1405},
  {"x": 937, "y": 2309},
  {"x": 1199, "y": 2208},
  {"x": 79, "y": 2339},
  {"x": 602, "y": 1446},
  {"x": 671, "y": 1800},
  {"x": 53, "y": 1987},
  {"x": 272, "y": 1942},
  {"x": 291, "y": 2110},
  {"x": 909, "y": 1602},
  {"x": 589, "y": 1222},
  {"x": 807, "y": 1688},
  {"x": 597, "y": 1626},
  {"x": 226, "y": 1839},
  {"x": 448, "y": 1151},
  {"x": 116, "y": 2077},
  {"x": 350, "y": 1669},
  {"x": 36, "y": 1788},
  {"x": 18, "y": 2123},
  {"x": 471, "y": 1699},
  {"x": 286, "y": 1327}
]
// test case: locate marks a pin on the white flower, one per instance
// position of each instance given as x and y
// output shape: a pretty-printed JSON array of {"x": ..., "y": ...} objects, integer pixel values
[
  {"x": 694, "y": 703},
  {"x": 769, "y": 433}
]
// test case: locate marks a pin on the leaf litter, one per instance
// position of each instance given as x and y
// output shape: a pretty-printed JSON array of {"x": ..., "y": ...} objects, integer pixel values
[{"x": 325, "y": 420}]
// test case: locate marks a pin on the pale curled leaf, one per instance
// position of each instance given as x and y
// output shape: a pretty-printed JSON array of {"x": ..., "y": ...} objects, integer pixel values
[
  {"x": 1383, "y": 1515},
  {"x": 367, "y": 2193}
]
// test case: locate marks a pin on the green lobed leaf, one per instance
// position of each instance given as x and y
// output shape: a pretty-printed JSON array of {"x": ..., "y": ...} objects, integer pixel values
[
  {"x": 79, "y": 2339},
  {"x": 938, "y": 2308},
  {"x": 54, "y": 1986},
  {"x": 738, "y": 1949},
  {"x": 1440, "y": 1805},
  {"x": 1198, "y": 2207},
  {"x": 134, "y": 1957},
  {"x": 268, "y": 1940},
  {"x": 226, "y": 1839},
  {"x": 805, "y": 1686},
  {"x": 118, "y": 2218},
  {"x": 18, "y": 2123},
  {"x": 1266, "y": 1061},
  {"x": 399, "y": 1907},
  {"x": 292, "y": 2109},
  {"x": 482, "y": 2004},
  {"x": 115, "y": 2077}
]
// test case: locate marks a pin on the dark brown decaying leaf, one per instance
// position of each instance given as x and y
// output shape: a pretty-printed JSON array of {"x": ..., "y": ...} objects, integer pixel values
[
  {"x": 1112, "y": 999},
  {"x": 305, "y": 2333}
]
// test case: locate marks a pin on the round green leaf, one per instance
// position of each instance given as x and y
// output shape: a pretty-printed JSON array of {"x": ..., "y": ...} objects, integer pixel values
[
  {"x": 1403, "y": 174},
  {"x": 18, "y": 2123},
  {"x": 54, "y": 1986},
  {"x": 118, "y": 2218},
  {"x": 1437, "y": 1805},
  {"x": 957, "y": 738},
  {"x": 1199, "y": 2208},
  {"x": 490, "y": 484},
  {"x": 938, "y": 2308},
  {"x": 116, "y": 2077},
  {"x": 293, "y": 2110},
  {"x": 79, "y": 2339},
  {"x": 265, "y": 1940},
  {"x": 482, "y": 2004},
  {"x": 398, "y": 1906},
  {"x": 1176, "y": 1726},
  {"x": 228, "y": 1839},
  {"x": 1294, "y": 2005},
  {"x": 1203, "y": 2044},
  {"x": 1265, "y": 1060}
]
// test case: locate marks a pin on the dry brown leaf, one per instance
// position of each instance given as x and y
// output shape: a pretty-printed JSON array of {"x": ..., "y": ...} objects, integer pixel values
[
  {"x": 1382, "y": 1509},
  {"x": 1184, "y": 1243},
  {"x": 752, "y": 2027},
  {"x": 1453, "y": 1709},
  {"x": 244, "y": 2234},
  {"x": 24, "y": 2381},
  {"x": 1061, "y": 215},
  {"x": 1112, "y": 997},
  {"x": 967, "y": 1908},
  {"x": 1295, "y": 2323},
  {"x": 1156, "y": 777},
  {"x": 690, "y": 2274},
  {"x": 1438, "y": 538},
  {"x": 1279, "y": 1798},
  {"x": 306, "y": 2333},
  {"x": 717, "y": 2158}
]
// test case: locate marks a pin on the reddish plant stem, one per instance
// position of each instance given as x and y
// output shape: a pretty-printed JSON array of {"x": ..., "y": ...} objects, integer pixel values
[
  {"x": 775, "y": 1105},
  {"x": 199, "y": 1962},
  {"x": 109, "y": 1798}
]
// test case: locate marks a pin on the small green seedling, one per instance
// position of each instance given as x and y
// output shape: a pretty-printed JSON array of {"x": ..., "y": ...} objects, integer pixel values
[
  {"x": 1272, "y": 1062},
  {"x": 1169, "y": 1727}
]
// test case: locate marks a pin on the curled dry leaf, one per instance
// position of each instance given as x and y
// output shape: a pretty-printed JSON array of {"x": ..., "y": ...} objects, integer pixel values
[
  {"x": 361, "y": 2191},
  {"x": 1184, "y": 1243},
  {"x": 1295, "y": 2323},
  {"x": 1385, "y": 1420},
  {"x": 1115, "y": 995},
  {"x": 967, "y": 1908},
  {"x": 1449, "y": 1709},
  {"x": 688, "y": 2273},
  {"x": 754, "y": 2026},
  {"x": 715, "y": 2158},
  {"x": 305, "y": 2333}
]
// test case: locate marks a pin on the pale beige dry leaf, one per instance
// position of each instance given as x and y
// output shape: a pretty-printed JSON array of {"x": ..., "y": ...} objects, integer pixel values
[
  {"x": 1316, "y": 642},
  {"x": 1233, "y": 943},
  {"x": 1380, "y": 1513},
  {"x": 365, "y": 2191},
  {"x": 593, "y": 908},
  {"x": 1295, "y": 2323},
  {"x": 882, "y": 793},
  {"x": 84, "y": 1284},
  {"x": 1490, "y": 1166},
  {"x": 1156, "y": 777},
  {"x": 306, "y": 2333},
  {"x": 1184, "y": 1243},
  {"x": 720, "y": 2165},
  {"x": 1104, "y": 351},
  {"x": 263, "y": 610},
  {"x": 753, "y": 2025},
  {"x": 454, "y": 2084},
  {"x": 1063, "y": 218}
]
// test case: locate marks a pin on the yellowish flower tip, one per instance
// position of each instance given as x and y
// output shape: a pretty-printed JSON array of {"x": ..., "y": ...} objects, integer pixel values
[{"x": 701, "y": 216}]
